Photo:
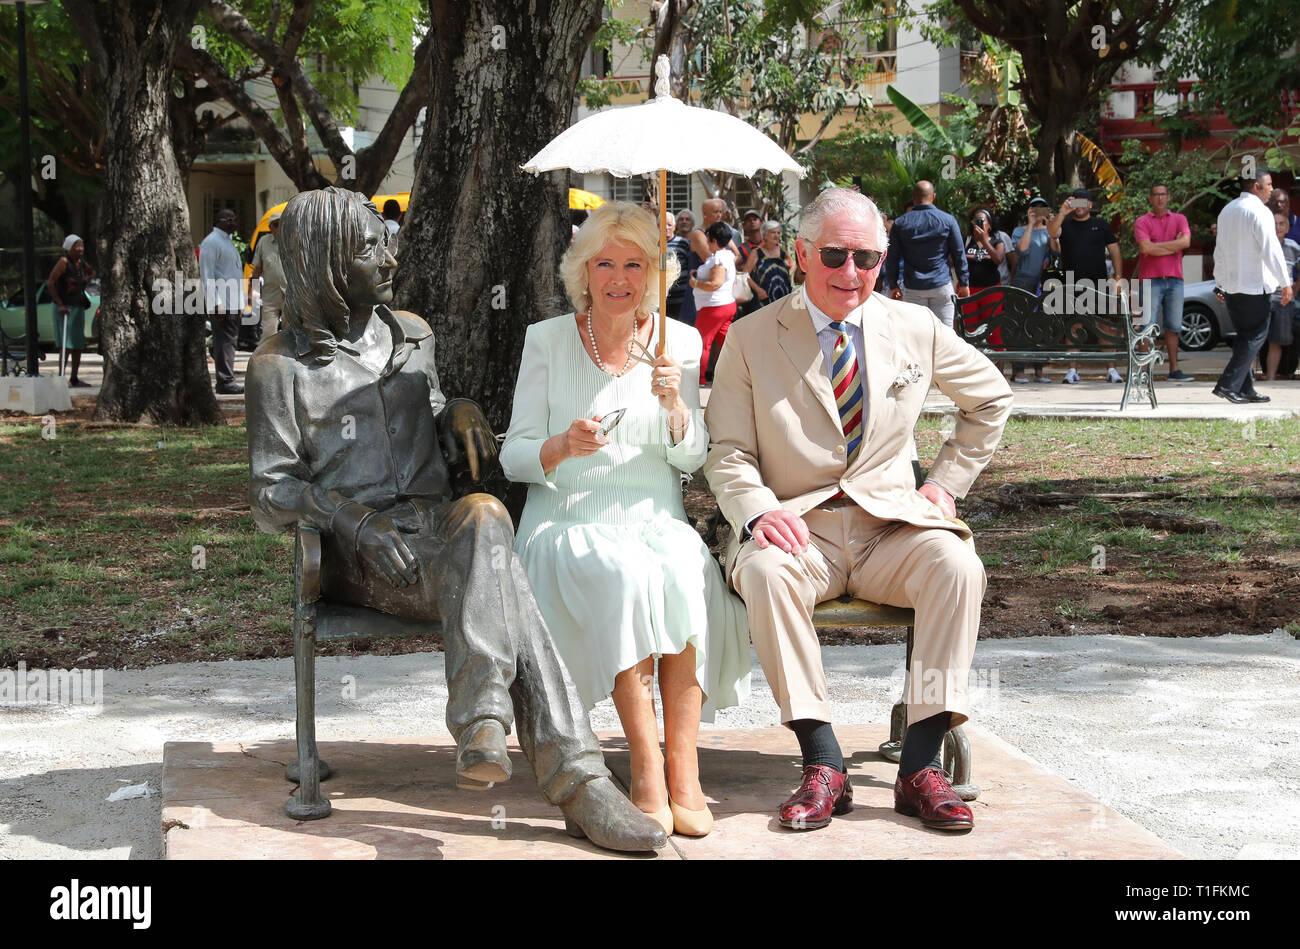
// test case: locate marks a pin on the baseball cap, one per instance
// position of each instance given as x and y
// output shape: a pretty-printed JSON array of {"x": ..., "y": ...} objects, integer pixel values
[
  {"x": 275, "y": 216},
  {"x": 1038, "y": 202},
  {"x": 758, "y": 214},
  {"x": 1080, "y": 193}
]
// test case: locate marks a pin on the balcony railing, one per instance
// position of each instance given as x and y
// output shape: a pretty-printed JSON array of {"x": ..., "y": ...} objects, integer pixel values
[{"x": 1120, "y": 120}]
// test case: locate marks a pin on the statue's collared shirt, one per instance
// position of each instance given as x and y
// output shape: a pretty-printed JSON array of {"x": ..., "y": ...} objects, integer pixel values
[{"x": 320, "y": 435}]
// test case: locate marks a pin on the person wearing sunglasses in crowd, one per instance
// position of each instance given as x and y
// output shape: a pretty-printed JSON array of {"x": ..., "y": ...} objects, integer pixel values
[
  {"x": 811, "y": 415},
  {"x": 619, "y": 572}
]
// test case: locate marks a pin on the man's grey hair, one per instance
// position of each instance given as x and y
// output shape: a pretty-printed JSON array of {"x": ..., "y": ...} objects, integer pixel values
[{"x": 836, "y": 201}]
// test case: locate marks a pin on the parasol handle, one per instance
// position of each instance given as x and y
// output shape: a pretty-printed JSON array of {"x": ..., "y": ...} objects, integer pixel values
[{"x": 663, "y": 257}]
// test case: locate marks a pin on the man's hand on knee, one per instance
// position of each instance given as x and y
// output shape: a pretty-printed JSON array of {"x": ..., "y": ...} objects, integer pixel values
[
  {"x": 946, "y": 502},
  {"x": 787, "y": 531}
]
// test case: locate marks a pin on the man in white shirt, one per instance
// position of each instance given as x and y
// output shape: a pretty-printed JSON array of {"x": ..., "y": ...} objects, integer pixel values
[
  {"x": 1248, "y": 265},
  {"x": 222, "y": 273}
]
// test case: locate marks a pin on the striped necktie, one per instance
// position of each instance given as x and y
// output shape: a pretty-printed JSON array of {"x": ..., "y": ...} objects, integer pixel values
[{"x": 847, "y": 384}]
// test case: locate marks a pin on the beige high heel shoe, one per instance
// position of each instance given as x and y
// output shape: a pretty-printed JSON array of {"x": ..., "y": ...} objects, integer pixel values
[
  {"x": 663, "y": 817},
  {"x": 691, "y": 823}
]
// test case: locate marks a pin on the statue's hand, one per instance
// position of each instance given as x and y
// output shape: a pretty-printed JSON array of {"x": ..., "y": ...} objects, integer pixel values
[
  {"x": 382, "y": 549},
  {"x": 466, "y": 428}
]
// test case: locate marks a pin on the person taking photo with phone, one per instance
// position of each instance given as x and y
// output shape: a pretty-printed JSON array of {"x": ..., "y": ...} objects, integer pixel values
[{"x": 1086, "y": 241}]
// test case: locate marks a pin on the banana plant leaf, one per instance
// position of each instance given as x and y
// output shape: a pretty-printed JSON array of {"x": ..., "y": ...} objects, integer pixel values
[{"x": 930, "y": 130}]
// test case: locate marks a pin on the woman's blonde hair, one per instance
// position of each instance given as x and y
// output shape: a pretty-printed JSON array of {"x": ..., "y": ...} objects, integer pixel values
[{"x": 615, "y": 221}]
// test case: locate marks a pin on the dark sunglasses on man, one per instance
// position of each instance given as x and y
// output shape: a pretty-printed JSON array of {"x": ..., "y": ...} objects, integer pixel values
[{"x": 834, "y": 257}]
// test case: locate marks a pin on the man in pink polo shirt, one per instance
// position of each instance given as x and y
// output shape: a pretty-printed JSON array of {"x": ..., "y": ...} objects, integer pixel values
[{"x": 1162, "y": 236}]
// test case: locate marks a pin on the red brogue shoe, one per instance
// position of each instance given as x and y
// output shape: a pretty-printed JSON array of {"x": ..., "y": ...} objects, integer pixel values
[
  {"x": 928, "y": 795},
  {"x": 824, "y": 792}
]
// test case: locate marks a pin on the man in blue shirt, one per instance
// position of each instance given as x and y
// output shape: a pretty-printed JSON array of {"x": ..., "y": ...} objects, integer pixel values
[
  {"x": 926, "y": 244},
  {"x": 1030, "y": 249}
]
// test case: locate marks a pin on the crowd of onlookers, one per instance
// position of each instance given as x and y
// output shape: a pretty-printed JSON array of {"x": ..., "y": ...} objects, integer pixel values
[{"x": 726, "y": 273}]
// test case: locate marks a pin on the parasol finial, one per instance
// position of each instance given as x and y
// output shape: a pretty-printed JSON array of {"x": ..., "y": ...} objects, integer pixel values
[{"x": 662, "y": 72}]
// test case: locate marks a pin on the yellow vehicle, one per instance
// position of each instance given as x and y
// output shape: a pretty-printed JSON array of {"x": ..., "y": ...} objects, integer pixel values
[{"x": 263, "y": 227}]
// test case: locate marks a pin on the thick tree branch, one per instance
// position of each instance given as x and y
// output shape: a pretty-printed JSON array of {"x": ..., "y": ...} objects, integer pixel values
[
  {"x": 296, "y": 29},
  {"x": 374, "y": 160},
  {"x": 296, "y": 163},
  {"x": 236, "y": 24}
]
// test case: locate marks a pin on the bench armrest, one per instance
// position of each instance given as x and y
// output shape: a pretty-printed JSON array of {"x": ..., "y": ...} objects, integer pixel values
[{"x": 306, "y": 565}]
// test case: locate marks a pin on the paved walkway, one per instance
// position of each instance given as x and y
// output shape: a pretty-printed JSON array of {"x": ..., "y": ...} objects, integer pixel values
[
  {"x": 1192, "y": 739},
  {"x": 397, "y": 800}
]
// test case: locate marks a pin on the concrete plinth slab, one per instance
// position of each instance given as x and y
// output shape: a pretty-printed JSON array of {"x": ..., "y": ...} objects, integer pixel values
[
  {"x": 34, "y": 395},
  {"x": 397, "y": 799}
]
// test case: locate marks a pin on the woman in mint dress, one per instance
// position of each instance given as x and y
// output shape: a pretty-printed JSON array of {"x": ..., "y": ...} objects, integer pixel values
[{"x": 620, "y": 575}]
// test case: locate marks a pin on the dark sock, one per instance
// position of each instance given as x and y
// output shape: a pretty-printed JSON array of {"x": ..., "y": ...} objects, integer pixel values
[
  {"x": 923, "y": 744},
  {"x": 817, "y": 743}
]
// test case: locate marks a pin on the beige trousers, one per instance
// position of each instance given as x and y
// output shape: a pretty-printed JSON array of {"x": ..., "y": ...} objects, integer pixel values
[
  {"x": 270, "y": 320},
  {"x": 933, "y": 571}
]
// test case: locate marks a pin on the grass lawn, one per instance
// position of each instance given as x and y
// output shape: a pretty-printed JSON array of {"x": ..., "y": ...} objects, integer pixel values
[{"x": 132, "y": 546}]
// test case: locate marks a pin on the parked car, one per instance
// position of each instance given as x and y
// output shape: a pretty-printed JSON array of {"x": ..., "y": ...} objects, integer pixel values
[
  {"x": 1205, "y": 318},
  {"x": 13, "y": 315}
]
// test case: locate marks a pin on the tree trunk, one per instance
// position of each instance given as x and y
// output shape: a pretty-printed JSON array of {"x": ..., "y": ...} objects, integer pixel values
[
  {"x": 480, "y": 249},
  {"x": 155, "y": 369}
]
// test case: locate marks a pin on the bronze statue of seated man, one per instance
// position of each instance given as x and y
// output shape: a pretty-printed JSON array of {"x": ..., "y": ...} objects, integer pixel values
[{"x": 349, "y": 432}]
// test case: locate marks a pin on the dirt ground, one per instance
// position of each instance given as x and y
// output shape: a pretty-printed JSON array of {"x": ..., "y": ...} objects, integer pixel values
[
  {"x": 1207, "y": 599},
  {"x": 1187, "y": 596}
]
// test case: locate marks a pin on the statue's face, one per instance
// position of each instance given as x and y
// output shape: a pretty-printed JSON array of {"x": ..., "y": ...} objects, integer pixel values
[{"x": 370, "y": 274}]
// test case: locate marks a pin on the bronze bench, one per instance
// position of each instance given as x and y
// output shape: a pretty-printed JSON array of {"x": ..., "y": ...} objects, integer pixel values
[
  {"x": 316, "y": 620},
  {"x": 848, "y": 611}
]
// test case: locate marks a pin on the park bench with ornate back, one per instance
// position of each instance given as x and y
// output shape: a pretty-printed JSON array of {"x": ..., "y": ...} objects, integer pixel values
[{"x": 1068, "y": 323}]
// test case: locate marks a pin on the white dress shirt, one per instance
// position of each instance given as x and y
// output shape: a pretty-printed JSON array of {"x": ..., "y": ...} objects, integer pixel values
[
  {"x": 826, "y": 337},
  {"x": 222, "y": 272},
  {"x": 1247, "y": 254}
]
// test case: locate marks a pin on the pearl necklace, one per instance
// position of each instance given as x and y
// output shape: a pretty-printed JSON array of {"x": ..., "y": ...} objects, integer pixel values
[{"x": 595, "y": 350}]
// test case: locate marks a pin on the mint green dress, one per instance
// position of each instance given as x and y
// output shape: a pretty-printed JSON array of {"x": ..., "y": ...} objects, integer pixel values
[{"x": 618, "y": 571}]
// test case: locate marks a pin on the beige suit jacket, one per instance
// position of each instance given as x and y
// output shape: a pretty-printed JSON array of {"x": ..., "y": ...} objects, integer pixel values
[{"x": 775, "y": 429}]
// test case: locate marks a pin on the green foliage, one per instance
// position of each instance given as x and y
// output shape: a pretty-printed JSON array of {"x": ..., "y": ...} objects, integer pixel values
[
  {"x": 934, "y": 134},
  {"x": 888, "y": 167},
  {"x": 772, "y": 65},
  {"x": 347, "y": 42},
  {"x": 57, "y": 80},
  {"x": 598, "y": 91},
  {"x": 1242, "y": 53}
]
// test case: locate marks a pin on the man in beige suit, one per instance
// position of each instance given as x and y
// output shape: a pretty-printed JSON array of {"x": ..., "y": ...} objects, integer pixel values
[{"x": 811, "y": 416}]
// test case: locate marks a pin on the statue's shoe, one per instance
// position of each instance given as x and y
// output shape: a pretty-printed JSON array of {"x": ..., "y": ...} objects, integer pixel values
[
  {"x": 599, "y": 812},
  {"x": 481, "y": 756}
]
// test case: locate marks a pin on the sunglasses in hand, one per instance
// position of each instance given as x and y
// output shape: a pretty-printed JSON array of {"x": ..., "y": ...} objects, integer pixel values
[{"x": 834, "y": 257}]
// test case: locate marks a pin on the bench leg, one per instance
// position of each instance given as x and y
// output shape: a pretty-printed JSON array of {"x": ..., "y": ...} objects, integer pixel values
[
  {"x": 892, "y": 750},
  {"x": 307, "y": 803},
  {"x": 957, "y": 762},
  {"x": 956, "y": 747}
]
